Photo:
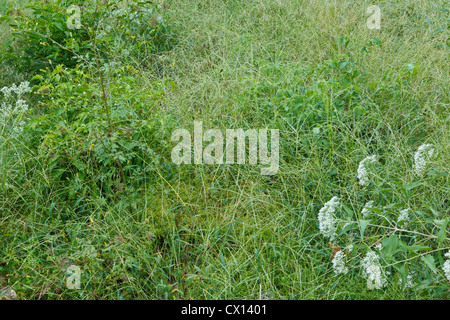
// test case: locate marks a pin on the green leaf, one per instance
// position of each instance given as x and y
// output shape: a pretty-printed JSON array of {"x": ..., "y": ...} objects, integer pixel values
[
  {"x": 50, "y": 211},
  {"x": 390, "y": 244},
  {"x": 376, "y": 41},
  {"x": 423, "y": 285},
  {"x": 435, "y": 213},
  {"x": 59, "y": 26},
  {"x": 413, "y": 185},
  {"x": 416, "y": 249},
  {"x": 362, "y": 226},
  {"x": 222, "y": 259},
  {"x": 404, "y": 274},
  {"x": 429, "y": 261},
  {"x": 348, "y": 210},
  {"x": 443, "y": 232}
]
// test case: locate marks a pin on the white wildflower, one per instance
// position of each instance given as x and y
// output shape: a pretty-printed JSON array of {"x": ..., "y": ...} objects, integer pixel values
[
  {"x": 327, "y": 220},
  {"x": 350, "y": 248},
  {"x": 421, "y": 157},
  {"x": 446, "y": 266},
  {"x": 366, "y": 212},
  {"x": 363, "y": 174},
  {"x": 13, "y": 107},
  {"x": 339, "y": 263},
  {"x": 372, "y": 270},
  {"x": 379, "y": 246},
  {"x": 24, "y": 87},
  {"x": 403, "y": 216},
  {"x": 409, "y": 281}
]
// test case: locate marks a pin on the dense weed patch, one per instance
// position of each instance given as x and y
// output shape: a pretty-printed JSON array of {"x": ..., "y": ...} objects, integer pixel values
[{"x": 358, "y": 210}]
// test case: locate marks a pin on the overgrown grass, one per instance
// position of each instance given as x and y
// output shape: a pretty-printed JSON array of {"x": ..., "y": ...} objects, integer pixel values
[{"x": 337, "y": 92}]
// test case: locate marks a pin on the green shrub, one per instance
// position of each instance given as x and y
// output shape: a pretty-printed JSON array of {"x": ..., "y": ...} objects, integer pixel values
[
  {"x": 44, "y": 34},
  {"x": 94, "y": 145}
]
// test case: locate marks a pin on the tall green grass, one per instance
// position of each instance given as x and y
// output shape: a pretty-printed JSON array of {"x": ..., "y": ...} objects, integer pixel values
[{"x": 226, "y": 232}]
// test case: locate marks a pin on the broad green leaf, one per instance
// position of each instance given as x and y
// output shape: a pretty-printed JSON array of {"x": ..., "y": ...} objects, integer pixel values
[
  {"x": 362, "y": 226},
  {"x": 413, "y": 185},
  {"x": 429, "y": 260},
  {"x": 443, "y": 232},
  {"x": 390, "y": 244},
  {"x": 417, "y": 248},
  {"x": 348, "y": 210},
  {"x": 404, "y": 274}
]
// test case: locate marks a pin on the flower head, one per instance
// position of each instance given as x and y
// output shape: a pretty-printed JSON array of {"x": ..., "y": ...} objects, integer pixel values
[
  {"x": 366, "y": 212},
  {"x": 363, "y": 174},
  {"x": 13, "y": 108},
  {"x": 18, "y": 90},
  {"x": 421, "y": 157},
  {"x": 403, "y": 216},
  {"x": 372, "y": 270},
  {"x": 339, "y": 263},
  {"x": 409, "y": 281},
  {"x": 327, "y": 220},
  {"x": 446, "y": 266}
]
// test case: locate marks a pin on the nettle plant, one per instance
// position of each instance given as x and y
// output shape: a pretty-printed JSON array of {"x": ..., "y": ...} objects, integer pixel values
[
  {"x": 394, "y": 243},
  {"x": 49, "y": 33}
]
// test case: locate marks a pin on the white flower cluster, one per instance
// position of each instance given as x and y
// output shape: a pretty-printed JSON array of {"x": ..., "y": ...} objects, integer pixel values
[
  {"x": 372, "y": 270},
  {"x": 366, "y": 212},
  {"x": 363, "y": 175},
  {"x": 422, "y": 155},
  {"x": 403, "y": 216},
  {"x": 13, "y": 107},
  {"x": 409, "y": 281},
  {"x": 446, "y": 266},
  {"x": 339, "y": 263},
  {"x": 24, "y": 87},
  {"x": 327, "y": 220}
]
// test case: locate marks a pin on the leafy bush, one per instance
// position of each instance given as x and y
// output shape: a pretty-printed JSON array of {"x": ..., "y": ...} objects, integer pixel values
[
  {"x": 41, "y": 36},
  {"x": 113, "y": 143}
]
